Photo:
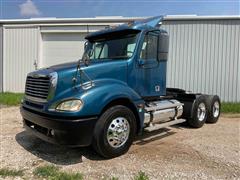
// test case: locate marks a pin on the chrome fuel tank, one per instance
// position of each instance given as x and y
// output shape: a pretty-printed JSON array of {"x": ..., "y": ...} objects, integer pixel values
[{"x": 162, "y": 111}]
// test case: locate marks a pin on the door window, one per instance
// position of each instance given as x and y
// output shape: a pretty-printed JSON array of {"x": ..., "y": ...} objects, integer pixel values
[{"x": 149, "y": 47}]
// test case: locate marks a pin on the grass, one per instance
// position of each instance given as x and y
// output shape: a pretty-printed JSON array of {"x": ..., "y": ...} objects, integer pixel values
[
  {"x": 141, "y": 176},
  {"x": 114, "y": 178},
  {"x": 54, "y": 173},
  {"x": 10, "y": 99},
  {"x": 5, "y": 172},
  {"x": 46, "y": 171},
  {"x": 230, "y": 107}
]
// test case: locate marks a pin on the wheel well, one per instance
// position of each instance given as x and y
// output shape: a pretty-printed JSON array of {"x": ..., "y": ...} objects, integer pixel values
[{"x": 125, "y": 102}]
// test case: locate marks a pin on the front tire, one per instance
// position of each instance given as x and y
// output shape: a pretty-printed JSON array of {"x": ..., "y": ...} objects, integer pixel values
[{"x": 114, "y": 131}]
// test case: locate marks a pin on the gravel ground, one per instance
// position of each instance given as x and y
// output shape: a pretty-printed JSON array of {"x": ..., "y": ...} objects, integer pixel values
[{"x": 211, "y": 152}]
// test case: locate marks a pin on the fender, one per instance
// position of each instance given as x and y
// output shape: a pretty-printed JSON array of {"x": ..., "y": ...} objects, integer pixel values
[
  {"x": 103, "y": 92},
  {"x": 96, "y": 97}
]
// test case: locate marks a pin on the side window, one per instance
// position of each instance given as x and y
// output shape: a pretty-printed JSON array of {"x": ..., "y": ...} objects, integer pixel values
[
  {"x": 149, "y": 48},
  {"x": 163, "y": 46},
  {"x": 130, "y": 49}
]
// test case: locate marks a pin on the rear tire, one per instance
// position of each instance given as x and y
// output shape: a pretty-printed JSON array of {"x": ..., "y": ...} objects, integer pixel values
[
  {"x": 114, "y": 131},
  {"x": 214, "y": 108},
  {"x": 199, "y": 112}
]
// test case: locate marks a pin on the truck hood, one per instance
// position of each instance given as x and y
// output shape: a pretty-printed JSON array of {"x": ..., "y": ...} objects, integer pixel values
[
  {"x": 64, "y": 66},
  {"x": 68, "y": 77}
]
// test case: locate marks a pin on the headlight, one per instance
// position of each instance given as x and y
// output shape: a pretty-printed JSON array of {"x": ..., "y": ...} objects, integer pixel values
[{"x": 70, "y": 105}]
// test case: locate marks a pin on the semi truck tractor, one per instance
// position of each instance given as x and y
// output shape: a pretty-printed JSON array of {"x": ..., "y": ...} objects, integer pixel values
[{"x": 115, "y": 92}]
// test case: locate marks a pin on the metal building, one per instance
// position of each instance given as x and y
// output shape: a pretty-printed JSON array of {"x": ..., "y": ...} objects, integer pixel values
[
  {"x": 205, "y": 55},
  {"x": 1, "y": 58},
  {"x": 204, "y": 51}
]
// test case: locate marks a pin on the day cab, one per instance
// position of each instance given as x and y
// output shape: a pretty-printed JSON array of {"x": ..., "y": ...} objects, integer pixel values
[{"x": 116, "y": 91}]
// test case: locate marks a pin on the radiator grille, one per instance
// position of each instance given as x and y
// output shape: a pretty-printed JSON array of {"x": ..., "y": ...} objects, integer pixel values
[{"x": 37, "y": 87}]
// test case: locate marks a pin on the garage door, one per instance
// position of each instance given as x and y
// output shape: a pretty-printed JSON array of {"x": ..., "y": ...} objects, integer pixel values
[
  {"x": 20, "y": 49},
  {"x": 61, "y": 48}
]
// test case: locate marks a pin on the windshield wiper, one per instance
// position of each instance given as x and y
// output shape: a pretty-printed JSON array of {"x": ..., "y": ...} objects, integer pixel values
[{"x": 100, "y": 52}]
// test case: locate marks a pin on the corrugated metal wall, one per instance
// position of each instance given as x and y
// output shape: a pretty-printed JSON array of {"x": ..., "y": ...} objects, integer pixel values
[
  {"x": 20, "y": 49},
  {"x": 1, "y": 58},
  {"x": 204, "y": 56}
]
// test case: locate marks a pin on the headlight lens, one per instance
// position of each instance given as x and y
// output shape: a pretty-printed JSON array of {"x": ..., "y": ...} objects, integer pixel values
[{"x": 70, "y": 105}]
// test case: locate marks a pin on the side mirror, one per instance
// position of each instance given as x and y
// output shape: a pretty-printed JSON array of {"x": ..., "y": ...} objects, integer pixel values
[
  {"x": 87, "y": 53},
  {"x": 163, "y": 46},
  {"x": 85, "y": 59},
  {"x": 90, "y": 52},
  {"x": 85, "y": 45}
]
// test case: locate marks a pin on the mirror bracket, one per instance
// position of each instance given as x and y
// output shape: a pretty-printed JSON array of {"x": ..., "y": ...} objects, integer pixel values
[{"x": 141, "y": 62}]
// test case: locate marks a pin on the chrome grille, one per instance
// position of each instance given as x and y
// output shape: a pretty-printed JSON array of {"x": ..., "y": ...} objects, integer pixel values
[{"x": 37, "y": 87}]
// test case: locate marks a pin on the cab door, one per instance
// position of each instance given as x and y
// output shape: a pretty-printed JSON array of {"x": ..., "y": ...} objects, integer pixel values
[{"x": 151, "y": 71}]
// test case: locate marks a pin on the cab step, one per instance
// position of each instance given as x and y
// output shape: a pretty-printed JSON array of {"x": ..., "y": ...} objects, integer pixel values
[{"x": 163, "y": 125}]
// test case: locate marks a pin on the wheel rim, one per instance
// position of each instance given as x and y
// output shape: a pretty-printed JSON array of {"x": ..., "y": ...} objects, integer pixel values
[
  {"x": 201, "y": 112},
  {"x": 216, "y": 109},
  {"x": 118, "y": 132}
]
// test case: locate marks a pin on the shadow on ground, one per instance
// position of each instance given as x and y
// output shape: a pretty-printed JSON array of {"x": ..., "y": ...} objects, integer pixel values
[
  {"x": 62, "y": 155},
  {"x": 56, "y": 154},
  {"x": 149, "y": 137}
]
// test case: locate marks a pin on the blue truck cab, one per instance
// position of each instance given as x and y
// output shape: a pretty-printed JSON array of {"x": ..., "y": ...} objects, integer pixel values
[{"x": 115, "y": 92}]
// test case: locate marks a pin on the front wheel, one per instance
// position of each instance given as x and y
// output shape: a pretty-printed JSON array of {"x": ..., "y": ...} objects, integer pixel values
[{"x": 114, "y": 131}]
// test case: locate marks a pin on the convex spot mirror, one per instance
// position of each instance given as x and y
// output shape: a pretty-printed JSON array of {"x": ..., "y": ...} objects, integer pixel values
[{"x": 86, "y": 43}]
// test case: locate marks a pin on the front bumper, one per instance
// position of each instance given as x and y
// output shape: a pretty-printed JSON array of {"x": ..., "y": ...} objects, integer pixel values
[{"x": 77, "y": 132}]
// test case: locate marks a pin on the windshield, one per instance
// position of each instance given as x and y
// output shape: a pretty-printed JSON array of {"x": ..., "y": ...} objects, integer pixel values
[{"x": 112, "y": 47}]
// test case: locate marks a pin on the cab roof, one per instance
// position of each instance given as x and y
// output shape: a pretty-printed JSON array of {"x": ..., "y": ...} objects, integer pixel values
[{"x": 135, "y": 26}]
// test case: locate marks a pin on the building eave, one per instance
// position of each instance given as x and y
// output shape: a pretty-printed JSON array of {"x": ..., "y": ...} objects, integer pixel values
[{"x": 111, "y": 19}]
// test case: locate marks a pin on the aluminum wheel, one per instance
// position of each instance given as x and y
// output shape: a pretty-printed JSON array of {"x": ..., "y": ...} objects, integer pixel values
[
  {"x": 118, "y": 132},
  {"x": 201, "y": 112},
  {"x": 216, "y": 109}
]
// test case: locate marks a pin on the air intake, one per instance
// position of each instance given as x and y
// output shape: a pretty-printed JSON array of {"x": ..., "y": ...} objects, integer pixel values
[{"x": 37, "y": 87}]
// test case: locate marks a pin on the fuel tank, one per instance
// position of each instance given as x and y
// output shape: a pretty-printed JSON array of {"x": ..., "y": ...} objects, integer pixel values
[{"x": 162, "y": 111}]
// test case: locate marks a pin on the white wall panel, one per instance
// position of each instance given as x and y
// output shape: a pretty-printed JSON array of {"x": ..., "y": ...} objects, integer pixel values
[
  {"x": 204, "y": 56},
  {"x": 60, "y": 48},
  {"x": 1, "y": 58},
  {"x": 20, "y": 49}
]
